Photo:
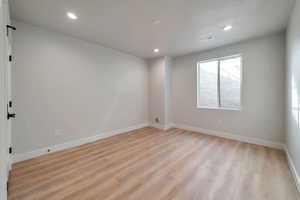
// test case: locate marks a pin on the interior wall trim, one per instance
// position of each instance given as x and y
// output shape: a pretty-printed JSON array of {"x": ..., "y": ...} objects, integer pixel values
[
  {"x": 231, "y": 136},
  {"x": 292, "y": 168},
  {"x": 43, "y": 151}
]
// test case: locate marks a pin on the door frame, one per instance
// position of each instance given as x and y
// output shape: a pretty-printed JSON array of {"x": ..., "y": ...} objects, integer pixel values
[
  {"x": 5, "y": 84},
  {"x": 3, "y": 170},
  {"x": 8, "y": 89}
]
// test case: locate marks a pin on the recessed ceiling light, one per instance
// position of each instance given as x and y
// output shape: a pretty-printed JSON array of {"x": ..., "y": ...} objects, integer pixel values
[
  {"x": 155, "y": 50},
  {"x": 227, "y": 28},
  {"x": 71, "y": 15}
]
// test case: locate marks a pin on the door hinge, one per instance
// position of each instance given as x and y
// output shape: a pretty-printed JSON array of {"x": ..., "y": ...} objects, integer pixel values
[
  {"x": 10, "y": 115},
  {"x": 9, "y": 27},
  {"x": 10, "y": 150},
  {"x": 10, "y": 58}
]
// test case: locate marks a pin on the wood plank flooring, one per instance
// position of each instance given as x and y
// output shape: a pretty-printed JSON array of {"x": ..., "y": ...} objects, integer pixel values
[{"x": 149, "y": 164}]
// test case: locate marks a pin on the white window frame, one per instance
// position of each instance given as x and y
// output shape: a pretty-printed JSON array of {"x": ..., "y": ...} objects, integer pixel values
[{"x": 219, "y": 59}]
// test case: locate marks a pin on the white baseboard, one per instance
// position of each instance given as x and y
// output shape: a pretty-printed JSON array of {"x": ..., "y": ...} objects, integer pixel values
[
  {"x": 292, "y": 168},
  {"x": 170, "y": 125},
  {"x": 32, "y": 154},
  {"x": 162, "y": 127},
  {"x": 157, "y": 125},
  {"x": 231, "y": 136}
]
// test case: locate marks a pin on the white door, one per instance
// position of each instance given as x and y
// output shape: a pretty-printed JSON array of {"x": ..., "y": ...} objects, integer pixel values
[
  {"x": 8, "y": 64},
  {"x": 5, "y": 96},
  {"x": 3, "y": 153}
]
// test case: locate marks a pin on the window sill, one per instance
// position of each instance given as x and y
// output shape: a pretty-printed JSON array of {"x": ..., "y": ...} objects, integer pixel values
[{"x": 220, "y": 108}]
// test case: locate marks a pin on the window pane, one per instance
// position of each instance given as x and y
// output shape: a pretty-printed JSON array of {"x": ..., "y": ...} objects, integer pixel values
[
  {"x": 230, "y": 82},
  {"x": 208, "y": 84}
]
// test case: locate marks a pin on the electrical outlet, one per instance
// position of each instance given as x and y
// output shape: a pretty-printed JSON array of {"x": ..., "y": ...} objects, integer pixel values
[
  {"x": 58, "y": 132},
  {"x": 157, "y": 120}
]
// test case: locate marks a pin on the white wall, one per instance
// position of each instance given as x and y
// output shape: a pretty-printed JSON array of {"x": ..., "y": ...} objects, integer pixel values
[
  {"x": 160, "y": 92},
  {"x": 262, "y": 115},
  {"x": 157, "y": 91},
  {"x": 293, "y": 86},
  {"x": 168, "y": 92},
  {"x": 73, "y": 88}
]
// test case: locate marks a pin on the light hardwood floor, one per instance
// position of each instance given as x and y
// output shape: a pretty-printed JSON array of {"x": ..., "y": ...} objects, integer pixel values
[{"x": 149, "y": 164}]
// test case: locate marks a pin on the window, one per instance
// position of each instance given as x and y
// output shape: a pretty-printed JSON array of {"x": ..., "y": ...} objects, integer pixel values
[{"x": 219, "y": 83}]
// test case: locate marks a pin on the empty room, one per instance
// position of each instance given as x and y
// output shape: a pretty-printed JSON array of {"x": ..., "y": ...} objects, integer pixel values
[{"x": 150, "y": 100}]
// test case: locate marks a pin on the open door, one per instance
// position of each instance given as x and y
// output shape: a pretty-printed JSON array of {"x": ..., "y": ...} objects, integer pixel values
[{"x": 5, "y": 97}]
